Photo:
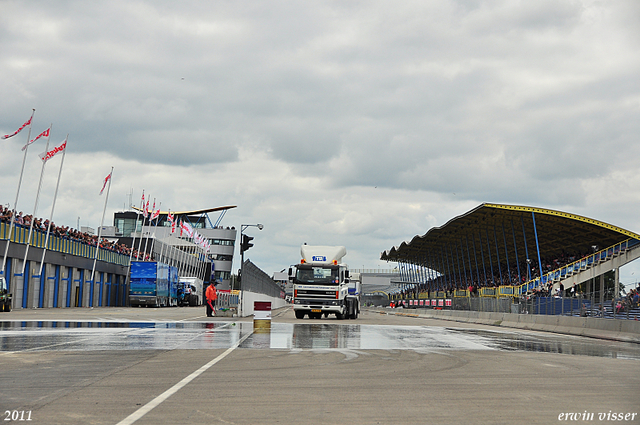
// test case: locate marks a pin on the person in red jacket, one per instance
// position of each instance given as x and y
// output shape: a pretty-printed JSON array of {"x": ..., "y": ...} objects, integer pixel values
[{"x": 212, "y": 296}]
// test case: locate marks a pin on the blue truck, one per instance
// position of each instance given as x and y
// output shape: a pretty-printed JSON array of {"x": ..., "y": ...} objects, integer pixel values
[{"x": 153, "y": 284}]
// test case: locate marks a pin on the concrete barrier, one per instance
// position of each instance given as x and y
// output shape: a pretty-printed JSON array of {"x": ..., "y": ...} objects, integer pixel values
[
  {"x": 248, "y": 298},
  {"x": 612, "y": 329}
]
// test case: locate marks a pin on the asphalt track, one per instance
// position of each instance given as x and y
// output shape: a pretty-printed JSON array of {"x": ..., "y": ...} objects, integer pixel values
[{"x": 175, "y": 366}]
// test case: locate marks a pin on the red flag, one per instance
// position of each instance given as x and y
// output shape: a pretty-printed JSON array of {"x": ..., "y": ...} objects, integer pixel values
[
  {"x": 45, "y": 156},
  {"x": 106, "y": 180},
  {"x": 146, "y": 209},
  {"x": 6, "y": 136},
  {"x": 186, "y": 227},
  {"x": 173, "y": 224},
  {"x": 151, "y": 217},
  {"x": 43, "y": 134},
  {"x": 142, "y": 204}
]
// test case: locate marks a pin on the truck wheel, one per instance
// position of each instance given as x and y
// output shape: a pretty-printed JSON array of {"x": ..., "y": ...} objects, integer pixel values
[{"x": 299, "y": 314}]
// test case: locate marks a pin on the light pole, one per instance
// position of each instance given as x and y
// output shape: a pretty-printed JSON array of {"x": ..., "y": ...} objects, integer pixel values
[{"x": 245, "y": 243}]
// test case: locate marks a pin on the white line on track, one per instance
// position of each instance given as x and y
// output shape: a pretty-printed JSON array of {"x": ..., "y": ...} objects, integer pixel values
[{"x": 165, "y": 395}]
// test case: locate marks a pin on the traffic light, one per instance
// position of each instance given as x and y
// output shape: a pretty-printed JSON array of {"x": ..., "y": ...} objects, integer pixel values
[{"x": 246, "y": 243}]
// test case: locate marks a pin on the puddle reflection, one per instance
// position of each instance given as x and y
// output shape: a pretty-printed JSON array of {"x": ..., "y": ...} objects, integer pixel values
[
  {"x": 558, "y": 344},
  {"x": 74, "y": 336}
]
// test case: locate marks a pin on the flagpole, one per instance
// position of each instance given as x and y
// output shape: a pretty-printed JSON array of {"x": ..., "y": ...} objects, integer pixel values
[
  {"x": 133, "y": 244},
  {"x": 144, "y": 217},
  {"x": 202, "y": 271},
  {"x": 95, "y": 259},
  {"x": 170, "y": 248},
  {"x": 55, "y": 195},
  {"x": 162, "y": 249},
  {"x": 146, "y": 241},
  {"x": 35, "y": 207},
  {"x": 153, "y": 241},
  {"x": 135, "y": 226},
  {"x": 15, "y": 205}
]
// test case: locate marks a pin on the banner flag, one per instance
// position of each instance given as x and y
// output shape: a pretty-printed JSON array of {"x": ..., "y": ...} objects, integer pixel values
[
  {"x": 142, "y": 205},
  {"x": 173, "y": 223},
  {"x": 45, "y": 156},
  {"x": 187, "y": 229},
  {"x": 6, "y": 136},
  {"x": 43, "y": 134},
  {"x": 201, "y": 241},
  {"x": 106, "y": 180}
]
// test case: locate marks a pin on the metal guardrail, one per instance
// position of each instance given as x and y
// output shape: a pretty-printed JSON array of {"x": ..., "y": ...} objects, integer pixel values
[
  {"x": 577, "y": 266},
  {"x": 488, "y": 292},
  {"x": 375, "y": 271},
  {"x": 62, "y": 245},
  {"x": 227, "y": 299}
]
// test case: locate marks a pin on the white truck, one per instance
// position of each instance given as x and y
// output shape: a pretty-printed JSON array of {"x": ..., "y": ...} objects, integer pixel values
[{"x": 321, "y": 284}]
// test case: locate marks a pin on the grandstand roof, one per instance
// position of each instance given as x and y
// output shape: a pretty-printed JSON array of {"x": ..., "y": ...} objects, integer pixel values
[{"x": 493, "y": 229}]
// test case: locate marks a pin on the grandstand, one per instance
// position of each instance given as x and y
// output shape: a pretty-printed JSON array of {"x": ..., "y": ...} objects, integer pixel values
[{"x": 512, "y": 252}]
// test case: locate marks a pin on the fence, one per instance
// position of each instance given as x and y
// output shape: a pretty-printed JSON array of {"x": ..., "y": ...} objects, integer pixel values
[
  {"x": 63, "y": 245},
  {"x": 582, "y": 305},
  {"x": 256, "y": 281},
  {"x": 227, "y": 300},
  {"x": 552, "y": 305}
]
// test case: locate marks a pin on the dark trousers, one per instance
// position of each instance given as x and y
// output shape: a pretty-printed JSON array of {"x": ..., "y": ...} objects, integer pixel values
[{"x": 211, "y": 305}]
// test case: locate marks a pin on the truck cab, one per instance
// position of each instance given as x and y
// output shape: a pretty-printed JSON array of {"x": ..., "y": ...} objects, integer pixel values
[{"x": 321, "y": 284}]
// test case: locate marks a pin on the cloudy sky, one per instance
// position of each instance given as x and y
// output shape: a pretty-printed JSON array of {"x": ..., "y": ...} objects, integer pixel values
[{"x": 356, "y": 123}]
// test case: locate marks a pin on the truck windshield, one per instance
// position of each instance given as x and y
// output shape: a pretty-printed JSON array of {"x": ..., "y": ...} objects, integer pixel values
[{"x": 318, "y": 275}]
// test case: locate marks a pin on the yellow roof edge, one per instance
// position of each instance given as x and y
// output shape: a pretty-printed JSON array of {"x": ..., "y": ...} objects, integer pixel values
[{"x": 565, "y": 215}]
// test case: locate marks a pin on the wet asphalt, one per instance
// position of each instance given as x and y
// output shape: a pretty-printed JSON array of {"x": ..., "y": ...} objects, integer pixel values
[{"x": 104, "y": 365}]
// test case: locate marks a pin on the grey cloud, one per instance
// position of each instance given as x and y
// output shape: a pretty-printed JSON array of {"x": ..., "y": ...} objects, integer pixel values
[{"x": 521, "y": 102}]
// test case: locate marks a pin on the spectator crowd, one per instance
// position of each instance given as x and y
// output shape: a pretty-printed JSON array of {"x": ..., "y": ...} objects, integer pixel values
[
  {"x": 515, "y": 275},
  {"x": 65, "y": 232}
]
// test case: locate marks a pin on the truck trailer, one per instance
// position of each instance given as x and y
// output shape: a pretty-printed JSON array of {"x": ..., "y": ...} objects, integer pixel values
[
  {"x": 321, "y": 284},
  {"x": 153, "y": 284}
]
